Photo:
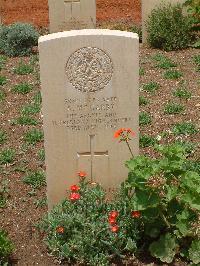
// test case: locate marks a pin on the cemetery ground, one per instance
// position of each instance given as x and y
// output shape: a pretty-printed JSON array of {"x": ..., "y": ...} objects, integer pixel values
[{"x": 169, "y": 112}]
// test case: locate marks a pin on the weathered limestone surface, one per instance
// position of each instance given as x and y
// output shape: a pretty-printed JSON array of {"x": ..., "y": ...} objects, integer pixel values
[
  {"x": 71, "y": 14},
  {"x": 89, "y": 90}
]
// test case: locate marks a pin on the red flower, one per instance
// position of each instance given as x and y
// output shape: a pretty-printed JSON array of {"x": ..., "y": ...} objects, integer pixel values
[
  {"x": 82, "y": 174},
  {"x": 60, "y": 229},
  {"x": 113, "y": 214},
  {"x": 74, "y": 188},
  {"x": 130, "y": 131},
  {"x": 75, "y": 196},
  {"x": 135, "y": 214},
  {"x": 118, "y": 133},
  {"x": 112, "y": 221},
  {"x": 114, "y": 229}
]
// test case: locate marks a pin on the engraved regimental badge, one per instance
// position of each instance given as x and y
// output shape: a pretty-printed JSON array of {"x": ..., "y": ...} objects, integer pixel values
[{"x": 89, "y": 69}]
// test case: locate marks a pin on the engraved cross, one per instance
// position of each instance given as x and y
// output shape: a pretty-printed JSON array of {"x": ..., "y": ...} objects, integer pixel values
[{"x": 92, "y": 154}]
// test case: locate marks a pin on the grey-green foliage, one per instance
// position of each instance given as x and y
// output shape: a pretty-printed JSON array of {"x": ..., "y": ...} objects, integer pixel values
[
  {"x": 168, "y": 28},
  {"x": 18, "y": 39}
]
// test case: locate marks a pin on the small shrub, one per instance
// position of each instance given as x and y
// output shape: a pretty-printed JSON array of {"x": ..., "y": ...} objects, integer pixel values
[
  {"x": 22, "y": 88},
  {"x": 41, "y": 155},
  {"x": 6, "y": 248},
  {"x": 18, "y": 39},
  {"x": 25, "y": 120},
  {"x": 173, "y": 108},
  {"x": 163, "y": 61},
  {"x": 197, "y": 62},
  {"x": 172, "y": 74},
  {"x": 151, "y": 86},
  {"x": 33, "y": 136},
  {"x": 30, "y": 109},
  {"x": 23, "y": 69},
  {"x": 147, "y": 141},
  {"x": 144, "y": 118},
  {"x": 3, "y": 80},
  {"x": 35, "y": 179},
  {"x": 182, "y": 93},
  {"x": 37, "y": 99},
  {"x": 7, "y": 156},
  {"x": 88, "y": 229},
  {"x": 143, "y": 100},
  {"x": 3, "y": 136},
  {"x": 168, "y": 28},
  {"x": 185, "y": 128}
]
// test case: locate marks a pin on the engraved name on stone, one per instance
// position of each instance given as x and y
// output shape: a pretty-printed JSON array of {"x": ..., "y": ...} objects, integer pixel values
[{"x": 89, "y": 69}]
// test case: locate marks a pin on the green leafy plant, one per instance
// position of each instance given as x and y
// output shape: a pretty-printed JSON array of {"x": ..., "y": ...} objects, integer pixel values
[
  {"x": 37, "y": 99},
  {"x": 168, "y": 28},
  {"x": 7, "y": 156},
  {"x": 30, "y": 109},
  {"x": 144, "y": 118},
  {"x": 23, "y": 69},
  {"x": 40, "y": 203},
  {"x": 141, "y": 71},
  {"x": 4, "y": 193},
  {"x": 6, "y": 248},
  {"x": 17, "y": 39},
  {"x": 22, "y": 88},
  {"x": 87, "y": 229},
  {"x": 167, "y": 195},
  {"x": 3, "y": 136},
  {"x": 33, "y": 136},
  {"x": 173, "y": 108},
  {"x": 41, "y": 154},
  {"x": 25, "y": 120},
  {"x": 151, "y": 86},
  {"x": 3, "y": 80},
  {"x": 193, "y": 9},
  {"x": 197, "y": 61},
  {"x": 35, "y": 179},
  {"x": 143, "y": 100},
  {"x": 2, "y": 95},
  {"x": 182, "y": 93},
  {"x": 163, "y": 61},
  {"x": 3, "y": 60},
  {"x": 189, "y": 147},
  {"x": 147, "y": 141},
  {"x": 172, "y": 74},
  {"x": 185, "y": 128}
]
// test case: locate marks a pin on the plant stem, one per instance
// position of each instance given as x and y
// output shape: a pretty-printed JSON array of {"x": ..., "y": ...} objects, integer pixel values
[{"x": 129, "y": 148}]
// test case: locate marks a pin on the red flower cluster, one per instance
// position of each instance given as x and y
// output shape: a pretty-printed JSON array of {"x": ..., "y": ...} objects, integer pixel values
[
  {"x": 74, "y": 195},
  {"x": 60, "y": 229},
  {"x": 74, "y": 188},
  {"x": 82, "y": 174},
  {"x": 122, "y": 131},
  {"x": 135, "y": 214},
  {"x": 112, "y": 219}
]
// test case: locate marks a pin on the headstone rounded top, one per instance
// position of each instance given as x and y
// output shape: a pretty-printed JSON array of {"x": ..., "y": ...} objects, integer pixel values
[
  {"x": 89, "y": 69},
  {"x": 90, "y": 32}
]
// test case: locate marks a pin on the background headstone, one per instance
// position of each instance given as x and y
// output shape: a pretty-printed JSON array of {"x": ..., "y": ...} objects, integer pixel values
[
  {"x": 89, "y": 89},
  {"x": 147, "y": 7},
  {"x": 71, "y": 14}
]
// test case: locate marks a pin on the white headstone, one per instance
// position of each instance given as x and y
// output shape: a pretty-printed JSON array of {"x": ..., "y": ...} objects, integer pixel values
[
  {"x": 147, "y": 7},
  {"x": 71, "y": 14},
  {"x": 89, "y": 90}
]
